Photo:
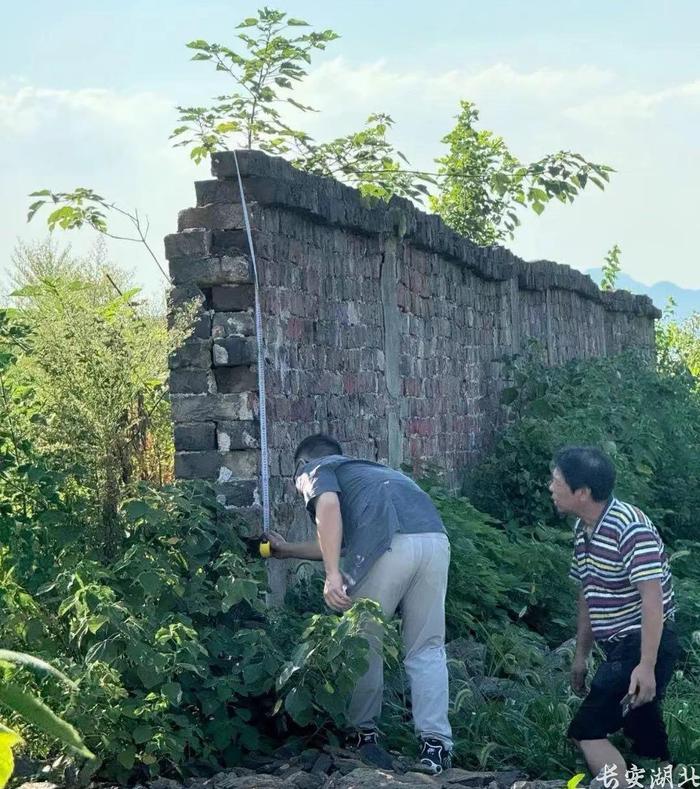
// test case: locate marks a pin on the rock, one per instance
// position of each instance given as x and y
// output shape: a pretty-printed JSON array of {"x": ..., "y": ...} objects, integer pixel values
[
  {"x": 491, "y": 780},
  {"x": 38, "y": 785},
  {"x": 322, "y": 764},
  {"x": 497, "y": 687},
  {"x": 164, "y": 783},
  {"x": 367, "y": 778},
  {"x": 469, "y": 652},
  {"x": 304, "y": 780}
]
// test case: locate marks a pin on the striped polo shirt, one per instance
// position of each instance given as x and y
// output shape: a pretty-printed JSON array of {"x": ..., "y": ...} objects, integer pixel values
[{"x": 624, "y": 549}]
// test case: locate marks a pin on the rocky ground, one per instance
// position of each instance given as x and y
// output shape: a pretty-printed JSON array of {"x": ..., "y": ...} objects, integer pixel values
[{"x": 337, "y": 768}]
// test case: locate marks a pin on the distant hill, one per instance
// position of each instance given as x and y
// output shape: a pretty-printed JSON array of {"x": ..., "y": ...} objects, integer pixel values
[{"x": 687, "y": 300}]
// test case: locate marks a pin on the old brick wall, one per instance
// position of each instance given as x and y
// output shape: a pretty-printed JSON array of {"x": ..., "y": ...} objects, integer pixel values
[{"x": 382, "y": 327}]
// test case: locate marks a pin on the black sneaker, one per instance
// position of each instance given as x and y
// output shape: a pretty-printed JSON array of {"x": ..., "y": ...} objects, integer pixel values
[
  {"x": 434, "y": 757},
  {"x": 366, "y": 743}
]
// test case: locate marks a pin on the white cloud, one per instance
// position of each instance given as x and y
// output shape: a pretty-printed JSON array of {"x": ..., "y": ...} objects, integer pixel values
[{"x": 633, "y": 105}]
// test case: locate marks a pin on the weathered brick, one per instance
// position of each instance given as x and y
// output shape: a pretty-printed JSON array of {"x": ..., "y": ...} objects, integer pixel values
[
  {"x": 218, "y": 216},
  {"x": 216, "y": 191},
  {"x": 240, "y": 493},
  {"x": 231, "y": 298},
  {"x": 195, "y": 436},
  {"x": 214, "y": 407},
  {"x": 191, "y": 381},
  {"x": 219, "y": 466},
  {"x": 192, "y": 244},
  {"x": 226, "y": 270},
  {"x": 229, "y": 242},
  {"x": 237, "y": 435},
  {"x": 192, "y": 353},
  {"x": 226, "y": 324},
  {"x": 234, "y": 351},
  {"x": 235, "y": 379}
]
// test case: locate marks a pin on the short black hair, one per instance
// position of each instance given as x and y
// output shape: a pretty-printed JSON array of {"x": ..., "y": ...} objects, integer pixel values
[
  {"x": 587, "y": 467},
  {"x": 317, "y": 446}
]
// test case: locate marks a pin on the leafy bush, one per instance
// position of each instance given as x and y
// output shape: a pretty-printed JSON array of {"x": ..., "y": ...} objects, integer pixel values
[{"x": 646, "y": 418}]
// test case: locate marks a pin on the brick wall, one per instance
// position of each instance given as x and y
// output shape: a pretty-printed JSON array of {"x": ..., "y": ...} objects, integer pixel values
[{"x": 382, "y": 327}]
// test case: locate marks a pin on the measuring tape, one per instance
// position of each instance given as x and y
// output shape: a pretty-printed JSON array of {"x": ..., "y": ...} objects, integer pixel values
[{"x": 265, "y": 548}]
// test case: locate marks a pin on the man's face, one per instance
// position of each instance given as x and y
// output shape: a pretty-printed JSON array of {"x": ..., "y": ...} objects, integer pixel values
[{"x": 563, "y": 498}]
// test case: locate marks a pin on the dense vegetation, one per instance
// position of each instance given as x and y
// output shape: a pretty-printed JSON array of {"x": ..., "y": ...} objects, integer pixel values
[{"x": 147, "y": 596}]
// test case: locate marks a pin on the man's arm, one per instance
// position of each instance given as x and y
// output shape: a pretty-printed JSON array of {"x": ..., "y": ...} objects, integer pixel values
[
  {"x": 329, "y": 527},
  {"x": 643, "y": 680},
  {"x": 584, "y": 643},
  {"x": 281, "y": 549}
]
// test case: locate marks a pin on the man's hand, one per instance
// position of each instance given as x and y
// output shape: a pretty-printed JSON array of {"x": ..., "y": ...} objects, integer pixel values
[
  {"x": 642, "y": 685},
  {"x": 277, "y": 545},
  {"x": 579, "y": 669},
  {"x": 335, "y": 594}
]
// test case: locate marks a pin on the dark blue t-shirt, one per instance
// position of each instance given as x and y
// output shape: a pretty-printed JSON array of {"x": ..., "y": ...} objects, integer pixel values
[{"x": 375, "y": 502}]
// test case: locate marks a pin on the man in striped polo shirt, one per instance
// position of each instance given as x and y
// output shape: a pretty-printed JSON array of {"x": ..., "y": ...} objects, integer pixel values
[{"x": 625, "y": 603}]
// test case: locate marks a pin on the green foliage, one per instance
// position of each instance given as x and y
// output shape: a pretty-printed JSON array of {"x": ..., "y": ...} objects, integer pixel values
[
  {"x": 170, "y": 637},
  {"x": 483, "y": 184},
  {"x": 31, "y": 709},
  {"x": 367, "y": 161},
  {"x": 611, "y": 268},
  {"x": 95, "y": 362},
  {"x": 513, "y": 576},
  {"x": 315, "y": 685},
  {"x": 678, "y": 344},
  {"x": 265, "y": 76},
  {"x": 648, "y": 419}
]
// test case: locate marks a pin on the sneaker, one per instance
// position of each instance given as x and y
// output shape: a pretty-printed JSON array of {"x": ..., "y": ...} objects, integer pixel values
[
  {"x": 434, "y": 757},
  {"x": 366, "y": 743}
]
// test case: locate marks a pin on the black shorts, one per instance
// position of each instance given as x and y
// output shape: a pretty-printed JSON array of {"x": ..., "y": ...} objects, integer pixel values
[{"x": 600, "y": 713}]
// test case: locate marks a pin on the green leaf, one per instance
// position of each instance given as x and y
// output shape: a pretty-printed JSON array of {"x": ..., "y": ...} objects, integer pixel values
[
  {"x": 8, "y": 740},
  {"x": 35, "y": 664},
  {"x": 127, "y": 757},
  {"x": 298, "y": 705},
  {"x": 173, "y": 692},
  {"x": 142, "y": 734},
  {"x": 538, "y": 208},
  {"x": 34, "y": 711}
]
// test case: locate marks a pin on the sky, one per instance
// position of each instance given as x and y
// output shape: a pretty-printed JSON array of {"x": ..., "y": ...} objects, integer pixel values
[{"x": 88, "y": 91}]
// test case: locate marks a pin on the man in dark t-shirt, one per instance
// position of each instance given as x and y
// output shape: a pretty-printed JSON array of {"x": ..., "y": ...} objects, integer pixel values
[{"x": 381, "y": 537}]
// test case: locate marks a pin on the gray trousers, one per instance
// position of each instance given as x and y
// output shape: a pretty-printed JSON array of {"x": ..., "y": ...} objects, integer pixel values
[{"x": 411, "y": 575}]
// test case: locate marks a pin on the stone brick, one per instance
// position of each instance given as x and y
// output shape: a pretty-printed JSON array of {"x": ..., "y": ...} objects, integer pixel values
[
  {"x": 218, "y": 216},
  {"x": 195, "y": 436},
  {"x": 232, "y": 298},
  {"x": 240, "y": 493},
  {"x": 235, "y": 379},
  {"x": 234, "y": 351},
  {"x": 192, "y": 244},
  {"x": 220, "y": 466},
  {"x": 192, "y": 353},
  {"x": 210, "y": 271},
  {"x": 214, "y": 407},
  {"x": 237, "y": 435},
  {"x": 191, "y": 381},
  {"x": 230, "y": 242},
  {"x": 226, "y": 324},
  {"x": 216, "y": 191}
]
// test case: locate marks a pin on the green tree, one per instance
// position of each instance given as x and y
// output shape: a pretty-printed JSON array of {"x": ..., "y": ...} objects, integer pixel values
[
  {"x": 483, "y": 185},
  {"x": 271, "y": 63},
  {"x": 96, "y": 360},
  {"x": 611, "y": 269},
  {"x": 265, "y": 75}
]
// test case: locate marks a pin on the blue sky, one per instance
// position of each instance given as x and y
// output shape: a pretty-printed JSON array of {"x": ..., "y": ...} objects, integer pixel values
[{"x": 87, "y": 91}]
